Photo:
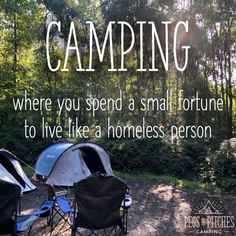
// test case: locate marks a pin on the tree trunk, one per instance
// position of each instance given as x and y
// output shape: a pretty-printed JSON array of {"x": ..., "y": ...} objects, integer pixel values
[{"x": 15, "y": 49}]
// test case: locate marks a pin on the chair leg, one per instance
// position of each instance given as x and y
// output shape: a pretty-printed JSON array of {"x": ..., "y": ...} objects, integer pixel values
[
  {"x": 51, "y": 218},
  {"x": 93, "y": 232},
  {"x": 73, "y": 232},
  {"x": 29, "y": 230},
  {"x": 62, "y": 227},
  {"x": 126, "y": 222}
]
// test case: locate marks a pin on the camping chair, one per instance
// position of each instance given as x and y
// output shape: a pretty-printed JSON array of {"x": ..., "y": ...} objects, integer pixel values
[
  {"x": 98, "y": 203},
  {"x": 10, "y": 221},
  {"x": 26, "y": 221},
  {"x": 61, "y": 207}
]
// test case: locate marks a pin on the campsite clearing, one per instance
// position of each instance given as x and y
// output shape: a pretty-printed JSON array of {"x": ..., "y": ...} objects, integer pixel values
[{"x": 157, "y": 209}]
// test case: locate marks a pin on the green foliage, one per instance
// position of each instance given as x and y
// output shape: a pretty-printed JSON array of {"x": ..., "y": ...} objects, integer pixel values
[
  {"x": 137, "y": 155},
  {"x": 225, "y": 162},
  {"x": 228, "y": 185},
  {"x": 220, "y": 166},
  {"x": 13, "y": 139},
  {"x": 195, "y": 185},
  {"x": 211, "y": 36},
  {"x": 157, "y": 156},
  {"x": 190, "y": 160}
]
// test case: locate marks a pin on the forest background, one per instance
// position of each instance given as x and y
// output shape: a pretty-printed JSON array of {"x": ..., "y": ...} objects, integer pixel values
[{"x": 211, "y": 71}]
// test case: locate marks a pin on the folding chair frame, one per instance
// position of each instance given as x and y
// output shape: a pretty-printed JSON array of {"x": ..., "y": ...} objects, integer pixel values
[
  {"x": 56, "y": 210},
  {"x": 15, "y": 232}
]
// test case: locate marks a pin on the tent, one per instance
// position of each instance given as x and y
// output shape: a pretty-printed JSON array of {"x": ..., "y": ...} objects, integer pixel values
[
  {"x": 11, "y": 171},
  {"x": 65, "y": 163}
]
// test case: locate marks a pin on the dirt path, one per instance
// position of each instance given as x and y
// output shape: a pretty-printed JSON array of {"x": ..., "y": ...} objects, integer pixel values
[{"x": 159, "y": 209}]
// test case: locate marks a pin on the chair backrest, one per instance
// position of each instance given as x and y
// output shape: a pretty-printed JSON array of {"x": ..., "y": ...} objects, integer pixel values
[
  {"x": 98, "y": 200},
  {"x": 9, "y": 196}
]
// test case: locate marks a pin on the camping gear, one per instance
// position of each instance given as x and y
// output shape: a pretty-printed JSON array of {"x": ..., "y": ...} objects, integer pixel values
[
  {"x": 11, "y": 171},
  {"x": 10, "y": 222},
  {"x": 88, "y": 165},
  {"x": 61, "y": 208},
  {"x": 98, "y": 204},
  {"x": 26, "y": 221},
  {"x": 65, "y": 163}
]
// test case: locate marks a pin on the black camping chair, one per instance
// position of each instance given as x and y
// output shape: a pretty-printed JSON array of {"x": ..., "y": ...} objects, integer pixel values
[
  {"x": 10, "y": 222},
  {"x": 98, "y": 203}
]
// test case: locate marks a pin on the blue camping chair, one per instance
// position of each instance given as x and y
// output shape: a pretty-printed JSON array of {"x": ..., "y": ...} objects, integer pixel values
[
  {"x": 25, "y": 222},
  {"x": 62, "y": 208},
  {"x": 10, "y": 222}
]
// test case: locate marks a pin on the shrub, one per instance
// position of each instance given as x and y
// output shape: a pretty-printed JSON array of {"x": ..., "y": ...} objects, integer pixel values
[
  {"x": 220, "y": 166},
  {"x": 225, "y": 161},
  {"x": 13, "y": 139},
  {"x": 155, "y": 156},
  {"x": 227, "y": 184}
]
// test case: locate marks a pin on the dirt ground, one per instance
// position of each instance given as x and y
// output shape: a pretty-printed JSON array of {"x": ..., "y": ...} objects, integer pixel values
[{"x": 157, "y": 209}]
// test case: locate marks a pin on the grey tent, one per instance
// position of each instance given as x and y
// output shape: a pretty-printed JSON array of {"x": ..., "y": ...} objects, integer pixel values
[
  {"x": 12, "y": 172},
  {"x": 65, "y": 163}
]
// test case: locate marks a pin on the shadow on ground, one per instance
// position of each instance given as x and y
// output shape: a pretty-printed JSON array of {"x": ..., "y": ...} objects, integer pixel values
[{"x": 157, "y": 209}]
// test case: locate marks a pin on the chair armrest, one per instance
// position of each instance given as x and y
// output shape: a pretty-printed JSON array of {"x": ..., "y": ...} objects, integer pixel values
[
  {"x": 127, "y": 201},
  {"x": 64, "y": 204},
  {"x": 24, "y": 222},
  {"x": 45, "y": 207}
]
